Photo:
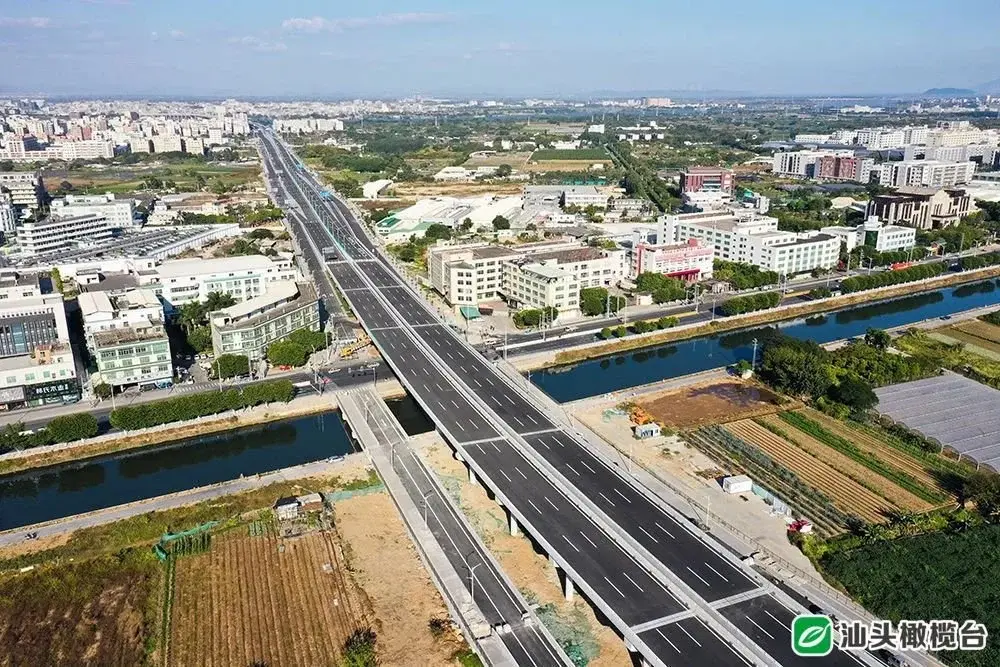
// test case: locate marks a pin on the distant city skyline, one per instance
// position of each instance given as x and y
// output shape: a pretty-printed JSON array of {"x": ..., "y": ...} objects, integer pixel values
[{"x": 390, "y": 48}]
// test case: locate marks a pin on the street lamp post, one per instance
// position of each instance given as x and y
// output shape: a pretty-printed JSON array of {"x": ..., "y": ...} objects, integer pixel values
[
  {"x": 472, "y": 580},
  {"x": 425, "y": 497}
]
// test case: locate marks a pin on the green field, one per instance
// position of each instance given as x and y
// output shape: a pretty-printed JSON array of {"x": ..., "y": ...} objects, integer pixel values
[
  {"x": 938, "y": 575},
  {"x": 589, "y": 154}
]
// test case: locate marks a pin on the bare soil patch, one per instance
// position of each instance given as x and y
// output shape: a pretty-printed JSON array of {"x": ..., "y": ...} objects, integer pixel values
[
  {"x": 421, "y": 190},
  {"x": 711, "y": 403}
]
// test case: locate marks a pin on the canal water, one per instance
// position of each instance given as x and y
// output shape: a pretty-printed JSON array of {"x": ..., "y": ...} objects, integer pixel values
[
  {"x": 652, "y": 364},
  {"x": 92, "y": 484}
]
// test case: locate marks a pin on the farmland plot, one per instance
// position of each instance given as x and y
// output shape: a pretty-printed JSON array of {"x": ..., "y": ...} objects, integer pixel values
[
  {"x": 259, "y": 599},
  {"x": 849, "y": 496}
]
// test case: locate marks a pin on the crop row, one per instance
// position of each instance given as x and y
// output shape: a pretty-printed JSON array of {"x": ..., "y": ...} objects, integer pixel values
[
  {"x": 806, "y": 499},
  {"x": 866, "y": 459}
]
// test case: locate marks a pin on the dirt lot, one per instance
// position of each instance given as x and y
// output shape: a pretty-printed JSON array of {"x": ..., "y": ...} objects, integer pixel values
[
  {"x": 710, "y": 403},
  {"x": 78, "y": 615},
  {"x": 495, "y": 159},
  {"x": 531, "y": 572},
  {"x": 980, "y": 337},
  {"x": 566, "y": 165},
  {"x": 420, "y": 190},
  {"x": 262, "y": 599},
  {"x": 384, "y": 562}
]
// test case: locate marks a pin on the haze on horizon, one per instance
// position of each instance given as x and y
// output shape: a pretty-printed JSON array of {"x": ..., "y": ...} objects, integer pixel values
[{"x": 391, "y": 48}]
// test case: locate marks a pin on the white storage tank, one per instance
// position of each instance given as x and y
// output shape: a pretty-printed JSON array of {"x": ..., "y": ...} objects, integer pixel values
[{"x": 737, "y": 484}]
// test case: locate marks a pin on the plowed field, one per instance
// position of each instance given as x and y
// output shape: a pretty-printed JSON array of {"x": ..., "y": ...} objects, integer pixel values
[
  {"x": 262, "y": 600},
  {"x": 849, "y": 496}
]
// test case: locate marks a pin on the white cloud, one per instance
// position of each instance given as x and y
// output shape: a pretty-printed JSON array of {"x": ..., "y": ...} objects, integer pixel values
[
  {"x": 320, "y": 24},
  {"x": 258, "y": 44},
  {"x": 25, "y": 21},
  {"x": 176, "y": 34},
  {"x": 154, "y": 35}
]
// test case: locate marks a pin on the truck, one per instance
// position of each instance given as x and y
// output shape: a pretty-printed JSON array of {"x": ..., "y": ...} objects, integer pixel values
[{"x": 899, "y": 266}]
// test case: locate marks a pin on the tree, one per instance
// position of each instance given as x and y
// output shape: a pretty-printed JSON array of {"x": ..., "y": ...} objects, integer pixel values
[
  {"x": 57, "y": 282},
  {"x": 68, "y": 428},
  {"x": 854, "y": 393},
  {"x": 218, "y": 300},
  {"x": 200, "y": 338},
  {"x": 605, "y": 333},
  {"x": 437, "y": 231},
  {"x": 983, "y": 489},
  {"x": 593, "y": 301},
  {"x": 309, "y": 339},
  {"x": 6, "y": 165},
  {"x": 102, "y": 390},
  {"x": 504, "y": 170},
  {"x": 466, "y": 225},
  {"x": 796, "y": 367},
  {"x": 261, "y": 234},
  {"x": 287, "y": 353},
  {"x": 878, "y": 338},
  {"x": 500, "y": 222},
  {"x": 231, "y": 365}
]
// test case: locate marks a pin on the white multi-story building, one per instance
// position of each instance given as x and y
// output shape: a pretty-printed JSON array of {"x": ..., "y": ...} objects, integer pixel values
[
  {"x": 184, "y": 280},
  {"x": 36, "y": 238},
  {"x": 467, "y": 276},
  {"x": 874, "y": 234},
  {"x": 8, "y": 214},
  {"x": 168, "y": 144},
  {"x": 134, "y": 308},
  {"x": 880, "y": 138},
  {"x": 812, "y": 138},
  {"x": 87, "y": 149},
  {"x": 307, "y": 125},
  {"x": 120, "y": 213},
  {"x": 744, "y": 236},
  {"x": 927, "y": 173},
  {"x": 584, "y": 196},
  {"x": 249, "y": 328},
  {"x": 803, "y": 163},
  {"x": 25, "y": 188},
  {"x": 529, "y": 285}
]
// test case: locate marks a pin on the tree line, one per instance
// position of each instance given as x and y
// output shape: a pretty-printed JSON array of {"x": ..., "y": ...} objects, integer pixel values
[{"x": 887, "y": 278}]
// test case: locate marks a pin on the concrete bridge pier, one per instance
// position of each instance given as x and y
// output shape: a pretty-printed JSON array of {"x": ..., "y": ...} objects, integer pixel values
[
  {"x": 472, "y": 477},
  {"x": 637, "y": 659},
  {"x": 515, "y": 529},
  {"x": 568, "y": 587}
]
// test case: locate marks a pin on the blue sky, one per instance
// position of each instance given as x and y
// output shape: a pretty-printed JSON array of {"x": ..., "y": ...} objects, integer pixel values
[{"x": 393, "y": 48}]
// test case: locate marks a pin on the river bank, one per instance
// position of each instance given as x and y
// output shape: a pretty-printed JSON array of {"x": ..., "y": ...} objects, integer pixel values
[
  {"x": 113, "y": 443},
  {"x": 595, "y": 349}
]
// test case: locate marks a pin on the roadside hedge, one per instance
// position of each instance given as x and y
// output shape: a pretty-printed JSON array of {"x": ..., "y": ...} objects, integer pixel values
[
  {"x": 182, "y": 408},
  {"x": 979, "y": 261},
  {"x": 751, "y": 302},
  {"x": 886, "y": 278}
]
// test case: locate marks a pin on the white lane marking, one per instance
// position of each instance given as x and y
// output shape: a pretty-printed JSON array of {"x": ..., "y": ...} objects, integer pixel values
[
  {"x": 424, "y": 369},
  {"x": 455, "y": 404},
  {"x": 588, "y": 539},
  {"x": 688, "y": 634},
  {"x": 551, "y": 503},
  {"x": 774, "y": 617},
  {"x": 520, "y": 472},
  {"x": 760, "y": 628},
  {"x": 699, "y": 576},
  {"x": 509, "y": 399},
  {"x": 633, "y": 582},
  {"x": 587, "y": 466},
  {"x": 495, "y": 446},
  {"x": 535, "y": 506},
  {"x": 601, "y": 494},
  {"x": 614, "y": 587},
  {"x": 450, "y": 356},
  {"x": 514, "y": 417},
  {"x": 542, "y": 443},
  {"x": 660, "y": 632},
  {"x": 506, "y": 476},
  {"x": 622, "y": 495},
  {"x": 657, "y": 524},
  {"x": 459, "y": 424},
  {"x": 570, "y": 543},
  {"x": 573, "y": 469},
  {"x": 442, "y": 406},
  {"x": 477, "y": 383},
  {"x": 717, "y": 572},
  {"x": 649, "y": 535}
]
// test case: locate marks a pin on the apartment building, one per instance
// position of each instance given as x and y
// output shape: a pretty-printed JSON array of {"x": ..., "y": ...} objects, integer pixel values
[
  {"x": 921, "y": 208},
  {"x": 120, "y": 213},
  {"x": 842, "y": 168},
  {"x": 169, "y": 143},
  {"x": 248, "y": 328},
  {"x": 744, "y": 236},
  {"x": 126, "y": 337},
  {"x": 926, "y": 173},
  {"x": 37, "y": 366},
  {"x": 180, "y": 281},
  {"x": 25, "y": 188},
  {"x": 707, "y": 179},
  {"x": 803, "y": 163},
  {"x": 8, "y": 215},
  {"x": 51, "y": 234},
  {"x": 690, "y": 261},
  {"x": 583, "y": 196},
  {"x": 529, "y": 285},
  {"x": 87, "y": 149},
  {"x": 468, "y": 275}
]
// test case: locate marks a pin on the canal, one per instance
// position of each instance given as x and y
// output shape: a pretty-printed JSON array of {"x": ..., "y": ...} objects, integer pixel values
[
  {"x": 91, "y": 484},
  {"x": 652, "y": 364}
]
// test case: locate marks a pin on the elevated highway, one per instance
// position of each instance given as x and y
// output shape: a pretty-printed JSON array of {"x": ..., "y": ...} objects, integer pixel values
[{"x": 676, "y": 596}]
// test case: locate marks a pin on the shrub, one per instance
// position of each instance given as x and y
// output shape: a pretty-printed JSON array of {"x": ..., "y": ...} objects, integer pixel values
[
  {"x": 68, "y": 428},
  {"x": 606, "y": 333},
  {"x": 750, "y": 303},
  {"x": 360, "y": 649},
  {"x": 886, "y": 278},
  {"x": 231, "y": 365},
  {"x": 666, "y": 322}
]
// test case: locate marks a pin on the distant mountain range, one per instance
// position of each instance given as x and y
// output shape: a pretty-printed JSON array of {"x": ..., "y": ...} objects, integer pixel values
[
  {"x": 950, "y": 92},
  {"x": 990, "y": 87}
]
